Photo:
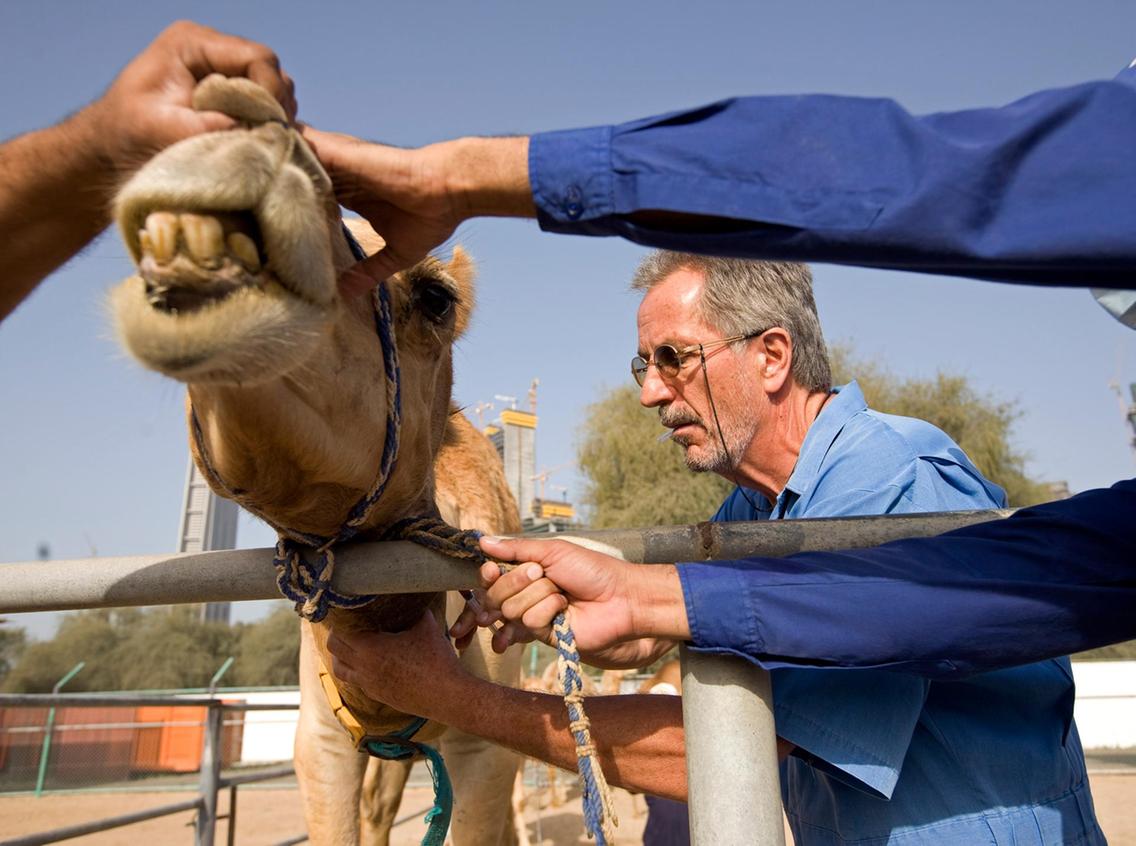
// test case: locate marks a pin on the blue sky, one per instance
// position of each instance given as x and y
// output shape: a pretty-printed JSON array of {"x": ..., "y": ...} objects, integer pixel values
[{"x": 92, "y": 449}]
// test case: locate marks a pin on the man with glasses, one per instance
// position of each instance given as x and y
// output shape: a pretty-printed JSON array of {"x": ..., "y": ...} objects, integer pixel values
[
  {"x": 732, "y": 356},
  {"x": 1041, "y": 191}
]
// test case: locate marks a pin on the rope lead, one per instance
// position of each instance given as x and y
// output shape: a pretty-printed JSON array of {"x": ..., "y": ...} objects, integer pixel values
[{"x": 599, "y": 810}]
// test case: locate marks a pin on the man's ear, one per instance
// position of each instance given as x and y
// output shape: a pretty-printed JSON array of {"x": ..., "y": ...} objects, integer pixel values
[{"x": 775, "y": 361}]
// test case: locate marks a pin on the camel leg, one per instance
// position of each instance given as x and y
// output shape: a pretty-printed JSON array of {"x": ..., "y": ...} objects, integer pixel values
[
  {"x": 383, "y": 784},
  {"x": 483, "y": 773},
  {"x": 329, "y": 769},
  {"x": 519, "y": 797}
]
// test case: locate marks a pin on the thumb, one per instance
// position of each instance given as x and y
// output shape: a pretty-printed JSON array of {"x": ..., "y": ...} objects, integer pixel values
[
  {"x": 212, "y": 121},
  {"x": 365, "y": 275},
  {"x": 507, "y": 550}
]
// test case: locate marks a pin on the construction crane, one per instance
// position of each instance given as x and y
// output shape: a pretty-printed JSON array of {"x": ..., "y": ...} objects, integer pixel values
[
  {"x": 479, "y": 409},
  {"x": 532, "y": 395},
  {"x": 512, "y": 401},
  {"x": 543, "y": 475}
]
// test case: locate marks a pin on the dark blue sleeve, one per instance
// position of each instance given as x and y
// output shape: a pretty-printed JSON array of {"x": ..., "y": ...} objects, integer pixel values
[
  {"x": 1041, "y": 191},
  {"x": 1050, "y": 580}
]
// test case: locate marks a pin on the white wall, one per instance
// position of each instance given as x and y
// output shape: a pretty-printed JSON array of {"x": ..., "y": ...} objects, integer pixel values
[
  {"x": 269, "y": 735},
  {"x": 1105, "y": 711},
  {"x": 1106, "y": 703}
]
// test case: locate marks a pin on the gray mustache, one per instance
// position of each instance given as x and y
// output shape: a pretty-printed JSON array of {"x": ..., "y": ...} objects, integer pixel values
[{"x": 678, "y": 418}]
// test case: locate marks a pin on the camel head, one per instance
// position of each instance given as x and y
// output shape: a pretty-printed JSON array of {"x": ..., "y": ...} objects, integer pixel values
[{"x": 238, "y": 242}]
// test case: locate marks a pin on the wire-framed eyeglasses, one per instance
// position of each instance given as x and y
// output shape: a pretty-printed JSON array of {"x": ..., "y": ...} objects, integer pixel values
[{"x": 670, "y": 360}]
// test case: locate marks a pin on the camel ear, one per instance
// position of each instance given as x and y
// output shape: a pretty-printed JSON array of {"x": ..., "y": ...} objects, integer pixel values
[{"x": 462, "y": 269}]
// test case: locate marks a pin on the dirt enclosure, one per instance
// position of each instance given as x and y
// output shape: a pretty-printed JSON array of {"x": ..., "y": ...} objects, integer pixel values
[{"x": 269, "y": 816}]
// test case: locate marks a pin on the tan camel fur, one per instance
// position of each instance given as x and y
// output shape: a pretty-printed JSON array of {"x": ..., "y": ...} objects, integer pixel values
[
  {"x": 353, "y": 797},
  {"x": 237, "y": 238}
]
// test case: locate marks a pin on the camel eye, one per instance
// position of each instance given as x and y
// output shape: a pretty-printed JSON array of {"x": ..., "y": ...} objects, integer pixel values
[{"x": 436, "y": 301}]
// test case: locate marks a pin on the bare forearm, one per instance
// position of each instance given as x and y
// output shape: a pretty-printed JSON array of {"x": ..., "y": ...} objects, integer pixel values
[
  {"x": 639, "y": 738},
  {"x": 54, "y": 198},
  {"x": 489, "y": 176},
  {"x": 658, "y": 607}
]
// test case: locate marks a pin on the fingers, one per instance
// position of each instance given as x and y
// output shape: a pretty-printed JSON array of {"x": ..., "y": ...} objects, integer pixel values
[
  {"x": 464, "y": 625},
  {"x": 489, "y": 572},
  {"x": 205, "y": 51},
  {"x": 509, "y": 634},
  {"x": 539, "y": 617},
  {"x": 331, "y": 147},
  {"x": 517, "y": 591},
  {"x": 461, "y": 644}
]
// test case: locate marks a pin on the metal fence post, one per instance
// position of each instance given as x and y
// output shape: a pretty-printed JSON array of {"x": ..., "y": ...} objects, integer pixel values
[
  {"x": 210, "y": 780},
  {"x": 734, "y": 792}
]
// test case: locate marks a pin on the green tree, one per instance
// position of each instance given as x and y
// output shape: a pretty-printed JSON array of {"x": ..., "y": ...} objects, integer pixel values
[
  {"x": 172, "y": 648},
  {"x": 981, "y": 425},
  {"x": 633, "y": 480},
  {"x": 12, "y": 643},
  {"x": 268, "y": 652},
  {"x": 126, "y": 649},
  {"x": 89, "y": 636}
]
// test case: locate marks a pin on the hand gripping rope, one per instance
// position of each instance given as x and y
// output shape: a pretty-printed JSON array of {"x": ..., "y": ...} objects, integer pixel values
[{"x": 309, "y": 587}]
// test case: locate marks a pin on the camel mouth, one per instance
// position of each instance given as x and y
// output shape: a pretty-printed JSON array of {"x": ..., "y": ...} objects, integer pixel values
[
  {"x": 235, "y": 256},
  {"x": 207, "y": 303},
  {"x": 189, "y": 260}
]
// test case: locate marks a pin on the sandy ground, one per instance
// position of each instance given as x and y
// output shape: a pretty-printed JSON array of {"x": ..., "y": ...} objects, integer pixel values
[{"x": 266, "y": 817}]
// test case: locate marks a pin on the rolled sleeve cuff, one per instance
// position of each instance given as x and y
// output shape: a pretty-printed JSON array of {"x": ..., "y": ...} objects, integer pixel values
[
  {"x": 718, "y": 621},
  {"x": 571, "y": 178}
]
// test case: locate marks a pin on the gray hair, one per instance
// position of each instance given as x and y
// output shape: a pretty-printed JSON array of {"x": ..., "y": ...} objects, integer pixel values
[{"x": 742, "y": 296}]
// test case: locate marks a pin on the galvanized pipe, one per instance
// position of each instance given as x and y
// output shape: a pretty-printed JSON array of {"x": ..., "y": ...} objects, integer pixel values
[
  {"x": 232, "y": 816},
  {"x": 403, "y": 567},
  {"x": 209, "y": 782},
  {"x": 282, "y": 771},
  {"x": 731, "y": 752},
  {"x": 67, "y": 832}
]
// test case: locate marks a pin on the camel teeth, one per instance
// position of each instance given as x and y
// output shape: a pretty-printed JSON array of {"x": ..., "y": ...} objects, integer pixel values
[
  {"x": 204, "y": 237},
  {"x": 162, "y": 228},
  {"x": 244, "y": 248}
]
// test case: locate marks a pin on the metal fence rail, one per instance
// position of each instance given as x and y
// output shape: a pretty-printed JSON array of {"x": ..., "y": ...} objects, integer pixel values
[
  {"x": 403, "y": 567},
  {"x": 727, "y": 699},
  {"x": 210, "y": 780}
]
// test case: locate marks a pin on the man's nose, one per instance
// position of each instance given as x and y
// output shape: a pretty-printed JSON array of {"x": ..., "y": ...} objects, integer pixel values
[{"x": 655, "y": 390}]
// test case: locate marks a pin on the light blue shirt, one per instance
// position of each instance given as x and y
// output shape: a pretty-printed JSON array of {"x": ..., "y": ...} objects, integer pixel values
[{"x": 885, "y": 758}]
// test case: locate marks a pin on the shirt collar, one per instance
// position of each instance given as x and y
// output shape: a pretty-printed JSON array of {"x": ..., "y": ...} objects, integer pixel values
[{"x": 847, "y": 401}]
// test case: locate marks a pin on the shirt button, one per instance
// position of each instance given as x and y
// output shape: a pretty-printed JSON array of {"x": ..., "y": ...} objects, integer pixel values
[{"x": 574, "y": 207}]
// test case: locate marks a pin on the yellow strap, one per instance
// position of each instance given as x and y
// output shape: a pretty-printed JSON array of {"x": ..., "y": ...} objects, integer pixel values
[{"x": 338, "y": 706}]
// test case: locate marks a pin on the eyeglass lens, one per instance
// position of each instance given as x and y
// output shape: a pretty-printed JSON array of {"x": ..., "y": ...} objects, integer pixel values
[{"x": 666, "y": 358}]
